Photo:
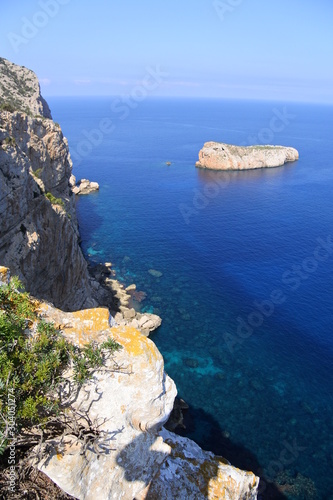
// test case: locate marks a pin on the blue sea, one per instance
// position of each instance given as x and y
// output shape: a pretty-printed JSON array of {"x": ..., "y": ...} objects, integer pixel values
[{"x": 246, "y": 291}]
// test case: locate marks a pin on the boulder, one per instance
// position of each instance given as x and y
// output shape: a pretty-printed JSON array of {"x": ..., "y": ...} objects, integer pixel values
[{"x": 84, "y": 186}]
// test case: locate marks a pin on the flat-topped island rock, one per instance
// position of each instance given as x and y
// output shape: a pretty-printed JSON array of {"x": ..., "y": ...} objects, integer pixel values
[{"x": 220, "y": 156}]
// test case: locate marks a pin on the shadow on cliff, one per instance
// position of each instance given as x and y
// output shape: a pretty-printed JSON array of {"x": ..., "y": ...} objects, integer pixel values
[
  {"x": 142, "y": 459},
  {"x": 213, "y": 439}
]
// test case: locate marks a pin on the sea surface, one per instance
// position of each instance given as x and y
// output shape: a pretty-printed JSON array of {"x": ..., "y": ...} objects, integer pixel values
[{"x": 246, "y": 291}]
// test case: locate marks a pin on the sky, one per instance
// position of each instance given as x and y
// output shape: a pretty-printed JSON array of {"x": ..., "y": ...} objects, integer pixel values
[{"x": 248, "y": 49}]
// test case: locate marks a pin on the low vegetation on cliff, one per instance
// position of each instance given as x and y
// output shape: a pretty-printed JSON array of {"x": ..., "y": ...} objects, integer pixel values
[{"x": 33, "y": 357}]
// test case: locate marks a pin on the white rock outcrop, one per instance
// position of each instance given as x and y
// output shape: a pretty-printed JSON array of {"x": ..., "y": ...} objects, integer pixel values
[
  {"x": 220, "y": 156},
  {"x": 129, "y": 400}
]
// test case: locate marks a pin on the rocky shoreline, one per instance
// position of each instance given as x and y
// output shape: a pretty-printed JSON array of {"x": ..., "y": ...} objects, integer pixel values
[{"x": 120, "y": 300}]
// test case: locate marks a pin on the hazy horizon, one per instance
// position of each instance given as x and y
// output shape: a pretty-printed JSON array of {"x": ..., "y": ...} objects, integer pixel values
[{"x": 225, "y": 49}]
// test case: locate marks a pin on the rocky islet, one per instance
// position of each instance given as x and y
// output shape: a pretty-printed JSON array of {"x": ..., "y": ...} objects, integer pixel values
[{"x": 221, "y": 156}]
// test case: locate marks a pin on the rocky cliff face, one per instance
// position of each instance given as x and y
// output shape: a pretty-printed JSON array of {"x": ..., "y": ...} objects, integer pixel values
[
  {"x": 133, "y": 456},
  {"x": 38, "y": 230},
  {"x": 220, "y": 156}
]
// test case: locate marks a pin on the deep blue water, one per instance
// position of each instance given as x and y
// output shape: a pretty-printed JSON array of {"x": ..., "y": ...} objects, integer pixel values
[{"x": 260, "y": 393}]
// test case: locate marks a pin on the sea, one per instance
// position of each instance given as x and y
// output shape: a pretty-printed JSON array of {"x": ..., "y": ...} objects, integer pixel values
[{"x": 244, "y": 263}]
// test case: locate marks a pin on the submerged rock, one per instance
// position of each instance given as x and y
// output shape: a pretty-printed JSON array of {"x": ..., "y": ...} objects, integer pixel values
[
  {"x": 220, "y": 156},
  {"x": 156, "y": 274},
  {"x": 191, "y": 362}
]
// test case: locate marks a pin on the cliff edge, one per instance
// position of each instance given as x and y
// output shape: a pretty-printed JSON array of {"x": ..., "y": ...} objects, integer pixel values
[
  {"x": 20, "y": 90},
  {"x": 220, "y": 156}
]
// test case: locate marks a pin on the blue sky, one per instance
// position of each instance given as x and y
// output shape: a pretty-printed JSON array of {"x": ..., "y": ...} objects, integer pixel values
[{"x": 254, "y": 49}]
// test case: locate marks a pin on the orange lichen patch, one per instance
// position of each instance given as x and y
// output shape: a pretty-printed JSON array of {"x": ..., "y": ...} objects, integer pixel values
[
  {"x": 135, "y": 343},
  {"x": 93, "y": 320},
  {"x": 4, "y": 274},
  {"x": 123, "y": 409},
  {"x": 221, "y": 484},
  {"x": 79, "y": 327}
]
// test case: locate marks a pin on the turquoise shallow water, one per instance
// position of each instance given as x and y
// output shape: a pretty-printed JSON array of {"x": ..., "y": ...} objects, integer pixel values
[{"x": 256, "y": 374}]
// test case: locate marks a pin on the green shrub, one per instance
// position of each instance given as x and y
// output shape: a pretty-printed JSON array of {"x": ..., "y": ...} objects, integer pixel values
[
  {"x": 37, "y": 172},
  {"x": 31, "y": 366},
  {"x": 54, "y": 200}
]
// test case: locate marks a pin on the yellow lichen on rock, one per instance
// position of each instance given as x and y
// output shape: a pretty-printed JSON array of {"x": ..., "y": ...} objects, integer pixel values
[
  {"x": 80, "y": 327},
  {"x": 135, "y": 343},
  {"x": 4, "y": 274}
]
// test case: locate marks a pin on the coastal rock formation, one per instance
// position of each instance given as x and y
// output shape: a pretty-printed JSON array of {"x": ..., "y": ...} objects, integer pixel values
[
  {"x": 220, "y": 156},
  {"x": 84, "y": 186},
  {"x": 38, "y": 230},
  {"x": 20, "y": 90},
  {"x": 129, "y": 400},
  {"x": 121, "y": 300}
]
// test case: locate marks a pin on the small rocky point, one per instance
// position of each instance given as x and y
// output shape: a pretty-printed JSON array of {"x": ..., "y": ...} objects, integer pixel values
[
  {"x": 220, "y": 156},
  {"x": 84, "y": 186}
]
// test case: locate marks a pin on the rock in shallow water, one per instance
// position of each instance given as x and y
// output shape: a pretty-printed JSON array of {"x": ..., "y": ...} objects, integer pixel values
[{"x": 84, "y": 186}]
